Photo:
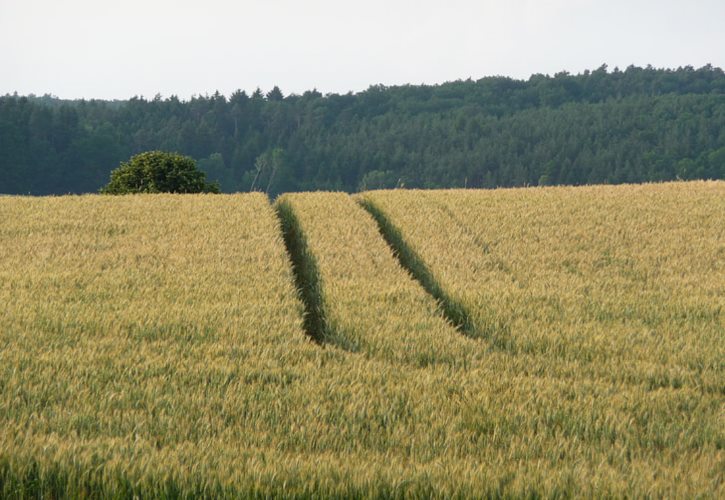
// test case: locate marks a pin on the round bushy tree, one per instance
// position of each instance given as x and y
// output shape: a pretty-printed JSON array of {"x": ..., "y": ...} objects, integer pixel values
[{"x": 158, "y": 172}]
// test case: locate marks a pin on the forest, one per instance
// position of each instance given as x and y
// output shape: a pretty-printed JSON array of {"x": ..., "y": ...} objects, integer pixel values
[{"x": 598, "y": 127}]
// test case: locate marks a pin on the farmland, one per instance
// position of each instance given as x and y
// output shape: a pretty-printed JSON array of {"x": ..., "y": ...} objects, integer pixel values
[
  {"x": 594, "y": 275},
  {"x": 548, "y": 341},
  {"x": 360, "y": 283}
]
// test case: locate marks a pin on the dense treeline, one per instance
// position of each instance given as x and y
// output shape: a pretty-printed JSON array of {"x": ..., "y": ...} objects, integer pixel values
[{"x": 641, "y": 124}]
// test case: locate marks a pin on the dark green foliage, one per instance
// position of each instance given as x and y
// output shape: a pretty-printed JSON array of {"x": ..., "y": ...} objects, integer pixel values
[
  {"x": 379, "y": 179},
  {"x": 158, "y": 172},
  {"x": 637, "y": 125}
]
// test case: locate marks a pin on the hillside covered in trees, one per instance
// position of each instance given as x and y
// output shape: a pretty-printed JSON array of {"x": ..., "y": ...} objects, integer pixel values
[{"x": 602, "y": 126}]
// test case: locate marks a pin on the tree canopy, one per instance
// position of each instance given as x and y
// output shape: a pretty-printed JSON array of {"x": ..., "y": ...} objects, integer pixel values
[
  {"x": 158, "y": 172},
  {"x": 601, "y": 126}
]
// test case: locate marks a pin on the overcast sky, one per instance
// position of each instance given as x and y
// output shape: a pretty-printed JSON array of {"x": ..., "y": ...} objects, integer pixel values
[{"x": 118, "y": 49}]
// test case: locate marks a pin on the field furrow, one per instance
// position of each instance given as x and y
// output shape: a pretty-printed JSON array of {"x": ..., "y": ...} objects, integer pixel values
[{"x": 362, "y": 299}]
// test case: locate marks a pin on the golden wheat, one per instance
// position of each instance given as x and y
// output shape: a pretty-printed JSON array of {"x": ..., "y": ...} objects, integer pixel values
[
  {"x": 154, "y": 346},
  {"x": 628, "y": 275},
  {"x": 368, "y": 301}
]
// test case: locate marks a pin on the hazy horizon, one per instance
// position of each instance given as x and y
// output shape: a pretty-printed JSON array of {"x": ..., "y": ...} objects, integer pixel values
[
  {"x": 106, "y": 50},
  {"x": 207, "y": 93}
]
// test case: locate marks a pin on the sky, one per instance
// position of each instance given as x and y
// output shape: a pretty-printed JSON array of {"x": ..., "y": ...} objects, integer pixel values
[{"x": 119, "y": 49}]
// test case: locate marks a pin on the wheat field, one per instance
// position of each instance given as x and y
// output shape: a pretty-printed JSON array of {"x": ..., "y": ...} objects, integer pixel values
[
  {"x": 530, "y": 342},
  {"x": 368, "y": 302},
  {"x": 631, "y": 275}
]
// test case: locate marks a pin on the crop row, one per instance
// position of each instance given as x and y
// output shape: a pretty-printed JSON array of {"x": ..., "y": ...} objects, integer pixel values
[{"x": 366, "y": 301}]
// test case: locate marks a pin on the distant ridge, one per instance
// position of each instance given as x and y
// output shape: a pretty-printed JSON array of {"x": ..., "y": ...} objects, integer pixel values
[{"x": 600, "y": 126}]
